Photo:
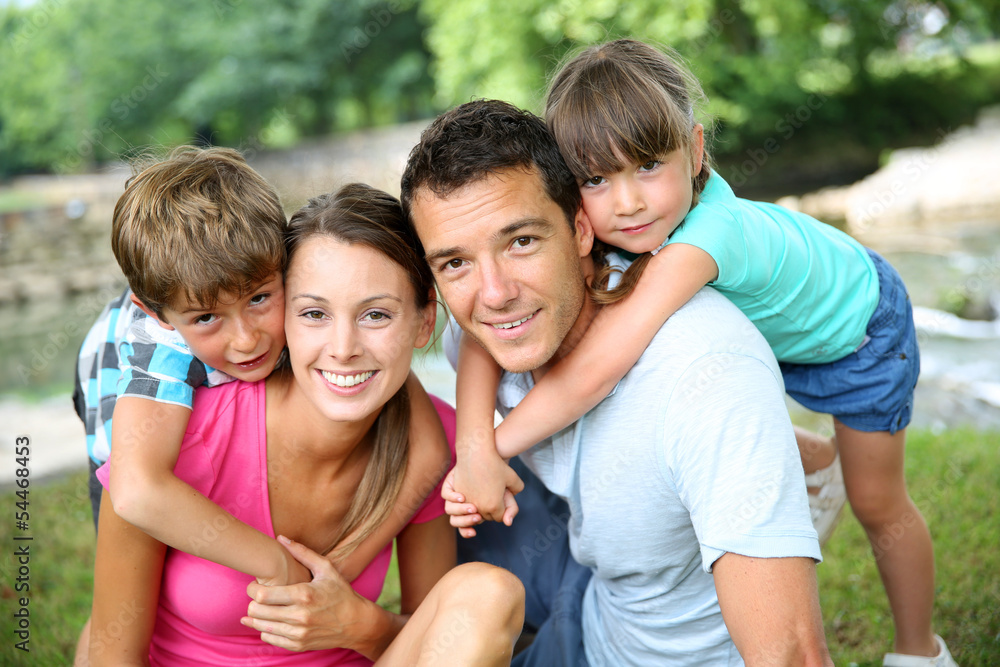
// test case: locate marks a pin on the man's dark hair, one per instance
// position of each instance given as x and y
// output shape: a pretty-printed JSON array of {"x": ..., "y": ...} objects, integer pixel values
[{"x": 483, "y": 137}]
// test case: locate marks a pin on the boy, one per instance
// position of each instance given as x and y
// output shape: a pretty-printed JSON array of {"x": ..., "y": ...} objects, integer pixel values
[{"x": 200, "y": 239}]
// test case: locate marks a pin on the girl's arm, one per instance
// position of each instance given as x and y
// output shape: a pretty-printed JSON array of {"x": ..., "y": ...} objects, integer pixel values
[
  {"x": 146, "y": 438},
  {"x": 482, "y": 476},
  {"x": 127, "y": 574},
  {"x": 614, "y": 342}
]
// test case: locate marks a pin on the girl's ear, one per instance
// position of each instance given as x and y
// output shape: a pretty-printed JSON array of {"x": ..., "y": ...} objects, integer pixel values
[
  {"x": 149, "y": 311},
  {"x": 697, "y": 148},
  {"x": 429, "y": 320},
  {"x": 584, "y": 232}
]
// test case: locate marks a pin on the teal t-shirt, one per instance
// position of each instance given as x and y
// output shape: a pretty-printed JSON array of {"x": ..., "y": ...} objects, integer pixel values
[{"x": 807, "y": 286}]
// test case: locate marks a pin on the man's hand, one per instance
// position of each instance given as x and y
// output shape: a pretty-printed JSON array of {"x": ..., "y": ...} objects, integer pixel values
[
  {"x": 464, "y": 515},
  {"x": 481, "y": 477},
  {"x": 324, "y": 613}
]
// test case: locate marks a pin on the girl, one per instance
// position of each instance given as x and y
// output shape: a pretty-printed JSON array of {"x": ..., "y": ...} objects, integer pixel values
[
  {"x": 835, "y": 313},
  {"x": 317, "y": 452}
]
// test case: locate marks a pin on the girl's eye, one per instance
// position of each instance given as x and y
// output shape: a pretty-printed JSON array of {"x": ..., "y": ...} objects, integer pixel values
[
  {"x": 593, "y": 181},
  {"x": 650, "y": 165},
  {"x": 207, "y": 318},
  {"x": 258, "y": 299}
]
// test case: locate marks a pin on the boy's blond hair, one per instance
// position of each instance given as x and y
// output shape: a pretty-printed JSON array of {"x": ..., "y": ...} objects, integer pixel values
[{"x": 197, "y": 223}]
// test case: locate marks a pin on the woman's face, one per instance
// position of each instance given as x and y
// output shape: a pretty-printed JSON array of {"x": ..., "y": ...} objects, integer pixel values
[{"x": 351, "y": 322}]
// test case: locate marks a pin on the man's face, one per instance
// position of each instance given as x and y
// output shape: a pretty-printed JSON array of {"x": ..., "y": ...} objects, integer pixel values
[{"x": 507, "y": 264}]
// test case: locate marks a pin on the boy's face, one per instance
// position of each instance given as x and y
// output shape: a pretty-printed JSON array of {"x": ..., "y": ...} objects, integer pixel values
[
  {"x": 241, "y": 337},
  {"x": 637, "y": 208}
]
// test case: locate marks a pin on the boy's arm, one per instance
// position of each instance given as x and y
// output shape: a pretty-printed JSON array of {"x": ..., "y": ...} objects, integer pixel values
[
  {"x": 613, "y": 344},
  {"x": 482, "y": 477},
  {"x": 146, "y": 438}
]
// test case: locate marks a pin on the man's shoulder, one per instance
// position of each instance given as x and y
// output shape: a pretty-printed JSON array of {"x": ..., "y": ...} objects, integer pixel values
[{"x": 707, "y": 324}]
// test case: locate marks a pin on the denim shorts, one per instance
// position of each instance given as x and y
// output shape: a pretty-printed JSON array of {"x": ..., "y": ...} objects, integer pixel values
[{"x": 870, "y": 389}]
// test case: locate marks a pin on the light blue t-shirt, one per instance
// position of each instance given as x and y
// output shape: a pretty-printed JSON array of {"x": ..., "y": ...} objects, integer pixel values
[
  {"x": 808, "y": 287},
  {"x": 691, "y": 456}
]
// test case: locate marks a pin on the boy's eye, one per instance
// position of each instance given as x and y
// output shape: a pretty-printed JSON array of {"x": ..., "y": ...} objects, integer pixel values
[
  {"x": 650, "y": 165},
  {"x": 258, "y": 299},
  {"x": 207, "y": 318}
]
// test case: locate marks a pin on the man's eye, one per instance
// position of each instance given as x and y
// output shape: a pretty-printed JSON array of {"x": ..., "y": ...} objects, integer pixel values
[
  {"x": 453, "y": 264},
  {"x": 522, "y": 241}
]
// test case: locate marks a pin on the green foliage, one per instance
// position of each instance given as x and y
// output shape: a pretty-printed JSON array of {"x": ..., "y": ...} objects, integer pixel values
[{"x": 84, "y": 81}]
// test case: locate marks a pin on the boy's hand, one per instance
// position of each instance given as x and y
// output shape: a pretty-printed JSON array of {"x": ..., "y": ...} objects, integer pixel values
[{"x": 482, "y": 476}]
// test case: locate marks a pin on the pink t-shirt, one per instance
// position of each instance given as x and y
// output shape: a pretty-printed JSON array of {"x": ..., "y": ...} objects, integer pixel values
[{"x": 201, "y": 603}]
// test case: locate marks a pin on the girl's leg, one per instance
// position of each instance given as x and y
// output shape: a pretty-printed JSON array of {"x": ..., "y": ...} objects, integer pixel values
[
  {"x": 817, "y": 451},
  {"x": 472, "y": 616},
  {"x": 876, "y": 488}
]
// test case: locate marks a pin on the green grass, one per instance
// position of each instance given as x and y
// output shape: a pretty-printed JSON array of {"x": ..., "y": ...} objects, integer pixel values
[{"x": 953, "y": 478}]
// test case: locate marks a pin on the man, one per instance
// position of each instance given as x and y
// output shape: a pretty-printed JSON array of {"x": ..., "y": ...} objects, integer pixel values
[{"x": 685, "y": 492}]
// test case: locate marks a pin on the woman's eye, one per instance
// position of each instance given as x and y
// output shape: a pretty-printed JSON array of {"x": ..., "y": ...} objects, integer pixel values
[
  {"x": 377, "y": 316},
  {"x": 313, "y": 315}
]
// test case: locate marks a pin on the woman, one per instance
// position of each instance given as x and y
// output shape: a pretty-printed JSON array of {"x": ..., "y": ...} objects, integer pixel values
[{"x": 318, "y": 455}]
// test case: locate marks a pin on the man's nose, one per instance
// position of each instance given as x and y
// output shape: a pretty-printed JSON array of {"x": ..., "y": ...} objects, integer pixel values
[{"x": 498, "y": 288}]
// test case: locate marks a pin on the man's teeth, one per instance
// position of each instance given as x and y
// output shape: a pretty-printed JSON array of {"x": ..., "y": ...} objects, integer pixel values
[
  {"x": 347, "y": 380},
  {"x": 511, "y": 325}
]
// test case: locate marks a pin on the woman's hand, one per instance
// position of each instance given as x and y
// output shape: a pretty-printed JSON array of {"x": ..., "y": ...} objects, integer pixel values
[{"x": 321, "y": 614}]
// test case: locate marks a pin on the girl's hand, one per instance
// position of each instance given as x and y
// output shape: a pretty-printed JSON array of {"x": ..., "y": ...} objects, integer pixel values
[
  {"x": 324, "y": 613},
  {"x": 485, "y": 480},
  {"x": 463, "y": 515}
]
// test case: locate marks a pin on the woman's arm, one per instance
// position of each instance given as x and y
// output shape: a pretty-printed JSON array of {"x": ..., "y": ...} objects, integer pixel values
[
  {"x": 328, "y": 613},
  {"x": 127, "y": 574},
  {"x": 428, "y": 459},
  {"x": 482, "y": 478},
  {"x": 614, "y": 342}
]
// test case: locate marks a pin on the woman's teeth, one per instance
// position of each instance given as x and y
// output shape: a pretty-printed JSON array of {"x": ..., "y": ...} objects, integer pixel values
[
  {"x": 347, "y": 380},
  {"x": 511, "y": 325}
]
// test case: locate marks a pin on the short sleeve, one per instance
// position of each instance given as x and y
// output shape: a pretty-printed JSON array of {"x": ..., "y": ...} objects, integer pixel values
[
  {"x": 714, "y": 229},
  {"x": 433, "y": 505},
  {"x": 739, "y": 474}
]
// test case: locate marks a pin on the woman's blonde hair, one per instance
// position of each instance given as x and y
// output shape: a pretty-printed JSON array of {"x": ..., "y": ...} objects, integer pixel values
[
  {"x": 620, "y": 103},
  {"x": 359, "y": 214}
]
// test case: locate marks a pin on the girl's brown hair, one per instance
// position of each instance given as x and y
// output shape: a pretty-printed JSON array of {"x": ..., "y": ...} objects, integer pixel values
[
  {"x": 360, "y": 214},
  {"x": 618, "y": 103}
]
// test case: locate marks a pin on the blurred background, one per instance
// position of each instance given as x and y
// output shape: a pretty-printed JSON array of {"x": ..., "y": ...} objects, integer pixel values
[{"x": 881, "y": 118}]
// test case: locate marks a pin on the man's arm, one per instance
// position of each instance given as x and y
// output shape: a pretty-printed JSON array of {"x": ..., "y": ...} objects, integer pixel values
[{"x": 771, "y": 608}]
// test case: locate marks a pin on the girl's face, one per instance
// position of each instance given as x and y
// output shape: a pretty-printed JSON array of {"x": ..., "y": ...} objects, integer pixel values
[
  {"x": 351, "y": 323},
  {"x": 637, "y": 208}
]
